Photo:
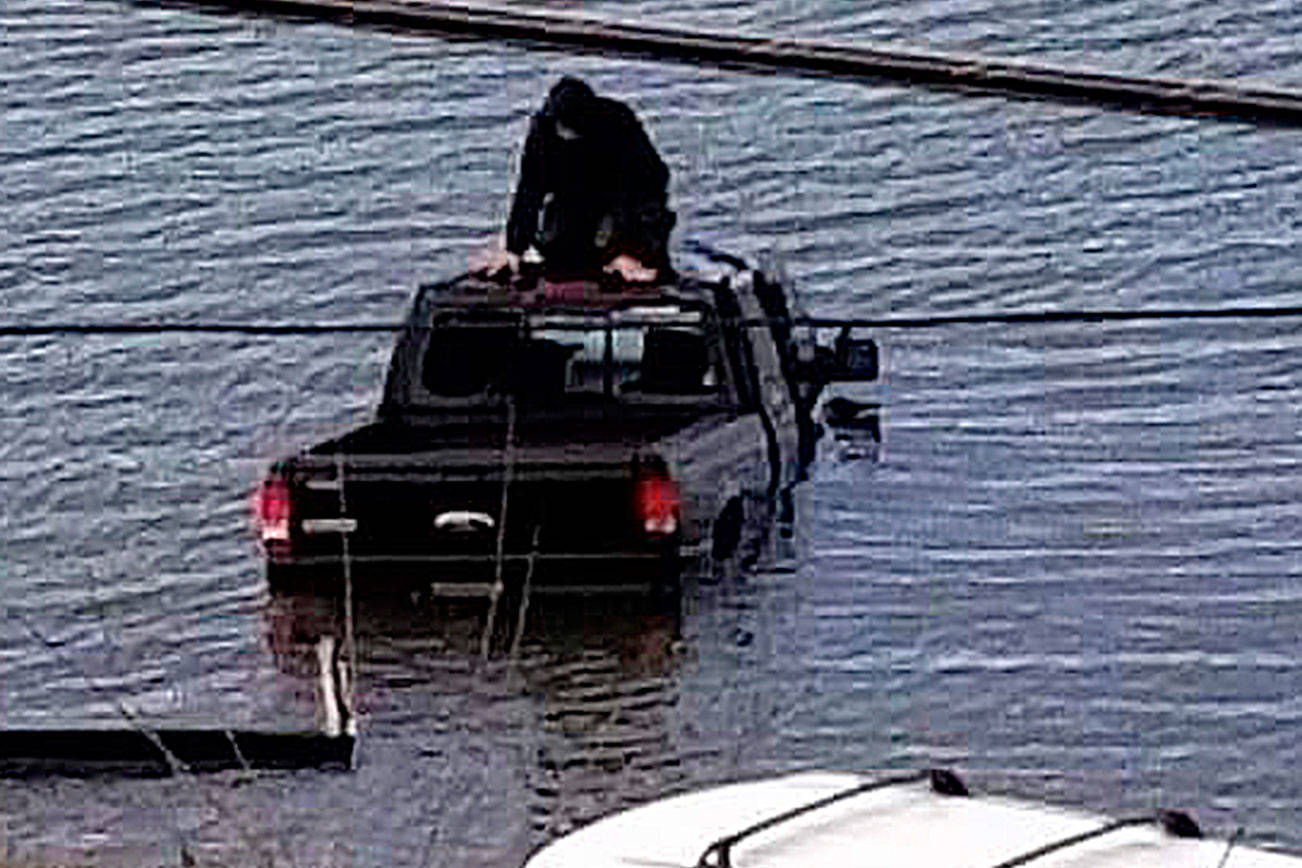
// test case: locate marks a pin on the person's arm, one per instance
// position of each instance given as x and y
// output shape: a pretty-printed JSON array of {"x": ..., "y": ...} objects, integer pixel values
[
  {"x": 644, "y": 220},
  {"x": 522, "y": 225},
  {"x": 648, "y": 177}
]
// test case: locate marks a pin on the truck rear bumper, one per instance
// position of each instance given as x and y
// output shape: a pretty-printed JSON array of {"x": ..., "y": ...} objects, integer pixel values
[{"x": 650, "y": 571}]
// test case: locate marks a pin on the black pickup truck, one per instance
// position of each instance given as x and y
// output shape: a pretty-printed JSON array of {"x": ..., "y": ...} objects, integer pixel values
[{"x": 588, "y": 437}]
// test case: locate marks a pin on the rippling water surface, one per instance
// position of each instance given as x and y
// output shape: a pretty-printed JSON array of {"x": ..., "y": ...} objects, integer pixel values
[{"x": 1072, "y": 570}]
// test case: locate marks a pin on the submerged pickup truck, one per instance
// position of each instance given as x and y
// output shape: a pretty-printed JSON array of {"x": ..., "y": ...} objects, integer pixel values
[{"x": 584, "y": 437}]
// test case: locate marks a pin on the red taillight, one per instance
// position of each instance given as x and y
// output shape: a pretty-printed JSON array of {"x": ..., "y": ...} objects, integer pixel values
[
  {"x": 273, "y": 509},
  {"x": 659, "y": 505}
]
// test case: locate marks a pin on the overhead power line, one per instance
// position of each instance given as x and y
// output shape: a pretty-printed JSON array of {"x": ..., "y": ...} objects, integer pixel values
[
  {"x": 207, "y": 328},
  {"x": 1033, "y": 317},
  {"x": 768, "y": 54},
  {"x": 897, "y": 321}
]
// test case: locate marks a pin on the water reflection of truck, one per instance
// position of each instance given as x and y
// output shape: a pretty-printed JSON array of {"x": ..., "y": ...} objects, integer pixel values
[
  {"x": 590, "y": 436},
  {"x": 577, "y": 703}
]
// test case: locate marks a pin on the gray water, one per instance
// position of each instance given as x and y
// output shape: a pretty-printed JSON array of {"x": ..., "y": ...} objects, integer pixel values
[{"x": 1071, "y": 573}]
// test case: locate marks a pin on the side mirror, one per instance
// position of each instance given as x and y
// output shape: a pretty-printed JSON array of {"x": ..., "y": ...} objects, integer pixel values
[{"x": 853, "y": 360}]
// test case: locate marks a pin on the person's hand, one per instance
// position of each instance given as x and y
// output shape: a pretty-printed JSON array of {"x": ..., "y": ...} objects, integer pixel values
[
  {"x": 631, "y": 270},
  {"x": 494, "y": 259}
]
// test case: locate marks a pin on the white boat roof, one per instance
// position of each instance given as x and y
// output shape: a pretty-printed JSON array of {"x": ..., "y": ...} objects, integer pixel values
[{"x": 905, "y": 825}]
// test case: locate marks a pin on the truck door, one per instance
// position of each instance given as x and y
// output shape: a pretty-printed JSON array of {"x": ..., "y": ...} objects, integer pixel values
[{"x": 774, "y": 396}]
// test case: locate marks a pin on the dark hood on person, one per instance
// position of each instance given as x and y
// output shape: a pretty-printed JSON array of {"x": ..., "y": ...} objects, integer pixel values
[{"x": 571, "y": 105}]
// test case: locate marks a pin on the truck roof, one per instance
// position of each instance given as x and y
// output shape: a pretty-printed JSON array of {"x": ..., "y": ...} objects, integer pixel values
[{"x": 536, "y": 293}]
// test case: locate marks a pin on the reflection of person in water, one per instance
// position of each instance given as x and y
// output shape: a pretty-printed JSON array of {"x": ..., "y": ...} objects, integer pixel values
[{"x": 592, "y": 193}]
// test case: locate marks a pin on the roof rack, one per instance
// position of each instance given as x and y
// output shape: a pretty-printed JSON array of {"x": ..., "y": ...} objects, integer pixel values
[
  {"x": 531, "y": 291},
  {"x": 942, "y": 781},
  {"x": 1175, "y": 823}
]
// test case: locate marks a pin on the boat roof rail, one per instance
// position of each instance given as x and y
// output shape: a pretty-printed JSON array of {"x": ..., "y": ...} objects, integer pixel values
[
  {"x": 1177, "y": 824},
  {"x": 943, "y": 782}
]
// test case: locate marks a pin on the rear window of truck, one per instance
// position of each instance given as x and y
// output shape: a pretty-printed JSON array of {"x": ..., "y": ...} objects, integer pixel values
[{"x": 635, "y": 354}]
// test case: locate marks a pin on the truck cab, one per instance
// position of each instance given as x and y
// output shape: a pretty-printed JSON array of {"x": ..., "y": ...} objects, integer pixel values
[{"x": 581, "y": 436}]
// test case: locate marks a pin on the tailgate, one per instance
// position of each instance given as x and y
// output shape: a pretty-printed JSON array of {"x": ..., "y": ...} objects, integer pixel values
[{"x": 450, "y": 504}]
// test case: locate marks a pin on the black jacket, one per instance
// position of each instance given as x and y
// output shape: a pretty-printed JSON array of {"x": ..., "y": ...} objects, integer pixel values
[{"x": 582, "y": 201}]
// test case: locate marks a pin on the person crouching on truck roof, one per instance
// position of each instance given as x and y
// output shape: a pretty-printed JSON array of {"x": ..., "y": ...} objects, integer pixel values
[{"x": 592, "y": 193}]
